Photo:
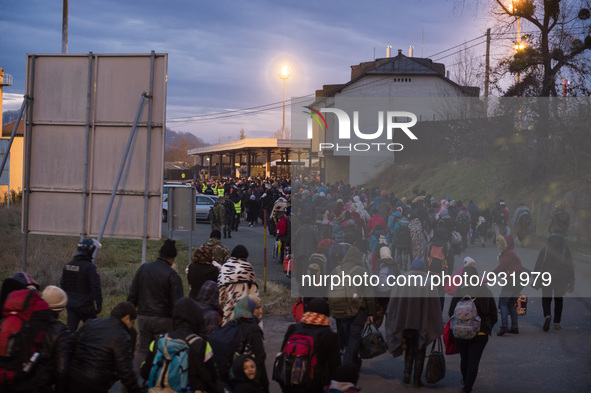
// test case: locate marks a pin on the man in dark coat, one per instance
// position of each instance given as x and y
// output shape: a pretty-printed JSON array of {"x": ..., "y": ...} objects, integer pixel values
[
  {"x": 81, "y": 281},
  {"x": 102, "y": 353},
  {"x": 154, "y": 289},
  {"x": 201, "y": 270}
]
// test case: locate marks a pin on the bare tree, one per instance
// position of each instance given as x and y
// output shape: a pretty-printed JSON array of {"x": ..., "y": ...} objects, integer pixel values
[
  {"x": 279, "y": 133},
  {"x": 242, "y": 134}
]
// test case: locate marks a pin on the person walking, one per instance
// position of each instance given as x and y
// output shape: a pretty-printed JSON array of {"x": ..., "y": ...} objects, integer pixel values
[
  {"x": 201, "y": 270},
  {"x": 414, "y": 321},
  {"x": 154, "y": 290},
  {"x": 229, "y": 213},
  {"x": 188, "y": 326},
  {"x": 316, "y": 324},
  {"x": 81, "y": 282},
  {"x": 236, "y": 280},
  {"x": 555, "y": 258},
  {"x": 509, "y": 263},
  {"x": 471, "y": 350},
  {"x": 54, "y": 358},
  {"x": 217, "y": 217},
  {"x": 220, "y": 252},
  {"x": 102, "y": 353}
]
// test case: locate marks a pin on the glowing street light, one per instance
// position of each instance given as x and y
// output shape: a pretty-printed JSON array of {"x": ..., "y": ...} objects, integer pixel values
[{"x": 284, "y": 74}]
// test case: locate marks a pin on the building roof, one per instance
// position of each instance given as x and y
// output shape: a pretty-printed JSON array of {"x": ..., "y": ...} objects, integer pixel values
[
  {"x": 252, "y": 144},
  {"x": 399, "y": 65},
  {"x": 7, "y": 129}
]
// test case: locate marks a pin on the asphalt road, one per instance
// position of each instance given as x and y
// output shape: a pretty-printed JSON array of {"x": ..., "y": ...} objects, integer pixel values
[{"x": 532, "y": 361}]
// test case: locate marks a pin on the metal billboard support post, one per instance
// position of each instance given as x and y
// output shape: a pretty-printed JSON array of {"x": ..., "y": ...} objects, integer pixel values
[
  {"x": 138, "y": 116},
  {"x": 86, "y": 147},
  {"x": 27, "y": 179},
  {"x": 148, "y": 148}
]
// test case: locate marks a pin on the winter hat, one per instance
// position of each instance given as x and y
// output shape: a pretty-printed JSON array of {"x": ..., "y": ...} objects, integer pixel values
[
  {"x": 168, "y": 249},
  {"x": 385, "y": 253},
  {"x": 253, "y": 198},
  {"x": 347, "y": 373},
  {"x": 325, "y": 244},
  {"x": 317, "y": 305},
  {"x": 469, "y": 262},
  {"x": 55, "y": 297},
  {"x": 216, "y": 233},
  {"x": 384, "y": 193},
  {"x": 418, "y": 264},
  {"x": 26, "y": 280},
  {"x": 203, "y": 255}
]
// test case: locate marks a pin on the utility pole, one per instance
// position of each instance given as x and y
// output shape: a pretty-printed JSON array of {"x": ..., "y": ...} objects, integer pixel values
[
  {"x": 487, "y": 72},
  {"x": 65, "y": 28}
]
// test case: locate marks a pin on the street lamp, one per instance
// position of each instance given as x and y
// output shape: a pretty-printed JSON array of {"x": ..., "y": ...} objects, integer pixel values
[
  {"x": 284, "y": 74},
  {"x": 519, "y": 46}
]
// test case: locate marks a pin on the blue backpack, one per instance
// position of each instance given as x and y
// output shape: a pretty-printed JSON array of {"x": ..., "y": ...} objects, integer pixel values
[{"x": 170, "y": 368}]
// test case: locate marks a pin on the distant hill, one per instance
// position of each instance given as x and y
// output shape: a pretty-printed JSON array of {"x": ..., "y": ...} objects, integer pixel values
[
  {"x": 178, "y": 143},
  {"x": 9, "y": 117}
]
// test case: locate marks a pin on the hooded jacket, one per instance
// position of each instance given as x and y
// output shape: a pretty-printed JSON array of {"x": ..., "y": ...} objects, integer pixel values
[
  {"x": 354, "y": 260},
  {"x": 220, "y": 252},
  {"x": 208, "y": 301},
  {"x": 187, "y": 320},
  {"x": 240, "y": 383},
  {"x": 509, "y": 263}
]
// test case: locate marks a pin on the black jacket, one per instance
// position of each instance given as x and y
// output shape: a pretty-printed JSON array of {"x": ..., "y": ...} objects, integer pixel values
[
  {"x": 328, "y": 355},
  {"x": 485, "y": 304},
  {"x": 82, "y": 283},
  {"x": 102, "y": 354},
  {"x": 155, "y": 288},
  {"x": 54, "y": 358}
]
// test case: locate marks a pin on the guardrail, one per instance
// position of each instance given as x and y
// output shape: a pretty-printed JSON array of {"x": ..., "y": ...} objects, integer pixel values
[{"x": 7, "y": 80}]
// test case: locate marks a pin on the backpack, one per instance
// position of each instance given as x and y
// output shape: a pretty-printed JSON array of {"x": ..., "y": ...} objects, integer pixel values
[
  {"x": 344, "y": 301},
  {"x": 225, "y": 343},
  {"x": 402, "y": 238},
  {"x": 336, "y": 253},
  {"x": 436, "y": 260},
  {"x": 294, "y": 365},
  {"x": 500, "y": 217},
  {"x": 170, "y": 368},
  {"x": 465, "y": 323},
  {"x": 26, "y": 317}
]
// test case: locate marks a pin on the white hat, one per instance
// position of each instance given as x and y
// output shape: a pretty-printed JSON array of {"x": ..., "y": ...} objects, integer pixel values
[
  {"x": 385, "y": 253},
  {"x": 55, "y": 297},
  {"x": 469, "y": 262}
]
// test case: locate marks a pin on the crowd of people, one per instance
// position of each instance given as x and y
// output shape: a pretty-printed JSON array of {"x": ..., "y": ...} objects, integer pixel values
[{"x": 215, "y": 333}]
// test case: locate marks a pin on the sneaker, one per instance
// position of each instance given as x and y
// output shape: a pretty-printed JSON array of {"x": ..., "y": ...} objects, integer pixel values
[
  {"x": 557, "y": 326},
  {"x": 546, "y": 326},
  {"x": 502, "y": 331},
  {"x": 514, "y": 330}
]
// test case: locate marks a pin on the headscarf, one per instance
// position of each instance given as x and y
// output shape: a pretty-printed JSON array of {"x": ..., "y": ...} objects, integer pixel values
[{"x": 246, "y": 306}]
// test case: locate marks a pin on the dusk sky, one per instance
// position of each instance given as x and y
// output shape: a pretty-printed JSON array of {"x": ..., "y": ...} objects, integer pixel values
[{"x": 226, "y": 55}]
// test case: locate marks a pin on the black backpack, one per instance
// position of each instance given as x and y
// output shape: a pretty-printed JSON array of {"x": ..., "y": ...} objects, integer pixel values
[
  {"x": 499, "y": 216},
  {"x": 402, "y": 239}
]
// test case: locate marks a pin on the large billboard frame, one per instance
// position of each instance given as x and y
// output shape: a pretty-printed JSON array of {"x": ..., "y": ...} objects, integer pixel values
[{"x": 77, "y": 167}]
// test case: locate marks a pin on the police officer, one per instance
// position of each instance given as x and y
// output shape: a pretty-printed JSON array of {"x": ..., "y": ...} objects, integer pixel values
[{"x": 81, "y": 281}]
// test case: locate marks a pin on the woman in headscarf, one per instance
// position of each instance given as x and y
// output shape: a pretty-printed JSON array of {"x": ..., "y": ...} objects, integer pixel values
[
  {"x": 247, "y": 314},
  {"x": 236, "y": 280},
  {"x": 208, "y": 301}
]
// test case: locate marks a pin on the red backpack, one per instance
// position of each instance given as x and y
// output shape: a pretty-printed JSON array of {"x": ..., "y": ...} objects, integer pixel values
[
  {"x": 26, "y": 316},
  {"x": 294, "y": 365}
]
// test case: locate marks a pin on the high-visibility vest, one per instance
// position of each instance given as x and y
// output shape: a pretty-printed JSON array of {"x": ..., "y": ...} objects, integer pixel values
[
  {"x": 203, "y": 188},
  {"x": 238, "y": 207},
  {"x": 221, "y": 191}
]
